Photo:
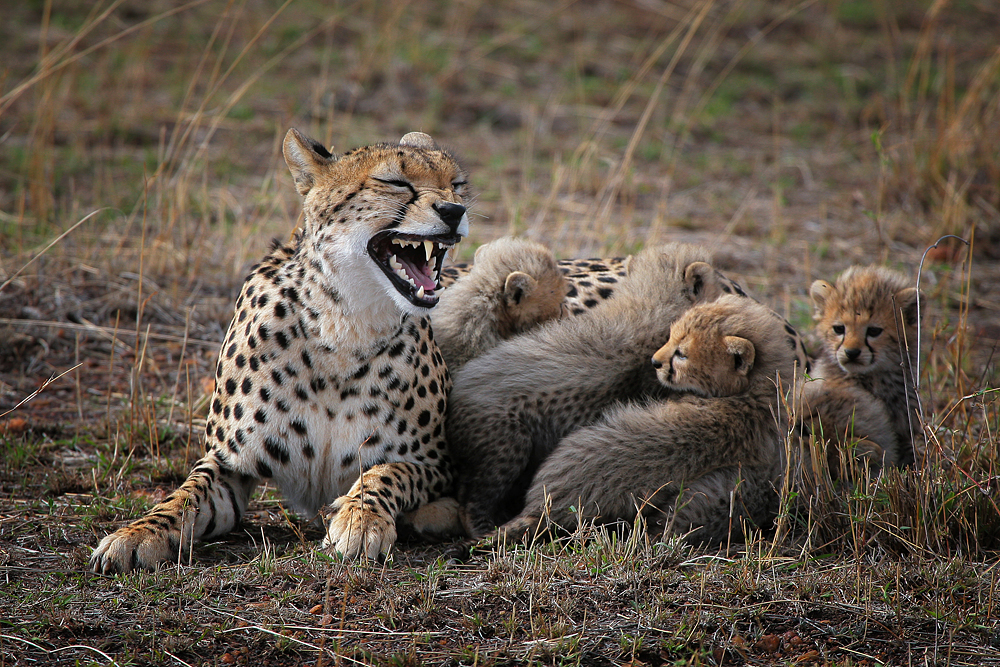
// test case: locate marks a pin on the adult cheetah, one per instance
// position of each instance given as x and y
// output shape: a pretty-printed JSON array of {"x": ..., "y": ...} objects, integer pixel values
[{"x": 329, "y": 382}]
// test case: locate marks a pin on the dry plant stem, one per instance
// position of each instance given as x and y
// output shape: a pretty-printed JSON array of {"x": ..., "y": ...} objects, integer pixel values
[
  {"x": 40, "y": 389},
  {"x": 110, "y": 333},
  {"x": 610, "y": 193},
  {"x": 920, "y": 271},
  {"x": 49, "y": 246},
  {"x": 47, "y": 70},
  {"x": 180, "y": 364}
]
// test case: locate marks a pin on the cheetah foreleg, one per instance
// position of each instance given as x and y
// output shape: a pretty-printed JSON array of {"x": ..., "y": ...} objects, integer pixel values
[
  {"x": 210, "y": 502},
  {"x": 363, "y": 522}
]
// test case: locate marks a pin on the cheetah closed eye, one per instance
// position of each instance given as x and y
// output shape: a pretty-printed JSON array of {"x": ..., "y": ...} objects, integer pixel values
[{"x": 329, "y": 381}]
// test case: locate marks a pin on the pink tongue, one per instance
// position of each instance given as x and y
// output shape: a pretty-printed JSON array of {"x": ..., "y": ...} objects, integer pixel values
[{"x": 418, "y": 276}]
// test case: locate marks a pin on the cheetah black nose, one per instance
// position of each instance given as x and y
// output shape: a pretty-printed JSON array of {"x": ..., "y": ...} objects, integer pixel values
[
  {"x": 451, "y": 214},
  {"x": 657, "y": 364},
  {"x": 852, "y": 354}
]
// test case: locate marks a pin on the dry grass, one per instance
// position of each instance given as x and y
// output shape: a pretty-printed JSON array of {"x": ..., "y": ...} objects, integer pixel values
[{"x": 140, "y": 175}]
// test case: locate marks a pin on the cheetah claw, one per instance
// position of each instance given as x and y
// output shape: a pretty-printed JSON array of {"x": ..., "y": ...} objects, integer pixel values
[{"x": 355, "y": 530}]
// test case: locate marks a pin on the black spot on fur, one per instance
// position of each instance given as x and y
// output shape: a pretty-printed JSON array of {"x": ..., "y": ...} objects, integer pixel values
[
  {"x": 424, "y": 419},
  {"x": 230, "y": 386},
  {"x": 276, "y": 449},
  {"x": 260, "y": 418}
]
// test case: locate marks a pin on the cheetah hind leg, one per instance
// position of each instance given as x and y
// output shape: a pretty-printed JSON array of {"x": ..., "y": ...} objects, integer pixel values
[{"x": 210, "y": 502}]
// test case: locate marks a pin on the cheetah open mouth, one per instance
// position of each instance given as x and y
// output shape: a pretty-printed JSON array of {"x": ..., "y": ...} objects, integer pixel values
[{"x": 412, "y": 263}]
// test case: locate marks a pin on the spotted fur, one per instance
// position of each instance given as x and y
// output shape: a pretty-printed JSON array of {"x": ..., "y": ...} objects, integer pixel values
[
  {"x": 589, "y": 281},
  {"x": 862, "y": 387},
  {"x": 701, "y": 463},
  {"x": 510, "y": 407},
  {"x": 513, "y": 286},
  {"x": 329, "y": 383}
]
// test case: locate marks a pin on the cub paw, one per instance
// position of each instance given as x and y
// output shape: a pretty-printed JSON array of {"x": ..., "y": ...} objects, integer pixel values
[
  {"x": 435, "y": 520},
  {"x": 356, "y": 530},
  {"x": 132, "y": 548}
]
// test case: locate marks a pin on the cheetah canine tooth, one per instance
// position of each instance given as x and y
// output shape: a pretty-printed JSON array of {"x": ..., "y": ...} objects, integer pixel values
[{"x": 428, "y": 249}]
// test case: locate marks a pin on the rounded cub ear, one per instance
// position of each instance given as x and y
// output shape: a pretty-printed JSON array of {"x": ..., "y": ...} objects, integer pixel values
[
  {"x": 743, "y": 353},
  {"x": 305, "y": 158},
  {"x": 518, "y": 286},
  {"x": 906, "y": 301},
  {"x": 418, "y": 140},
  {"x": 702, "y": 282},
  {"x": 821, "y": 291}
]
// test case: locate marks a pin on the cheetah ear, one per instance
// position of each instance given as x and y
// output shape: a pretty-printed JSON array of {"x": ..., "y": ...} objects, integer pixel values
[
  {"x": 475, "y": 256},
  {"x": 906, "y": 301},
  {"x": 702, "y": 282},
  {"x": 820, "y": 292},
  {"x": 305, "y": 158},
  {"x": 518, "y": 286},
  {"x": 743, "y": 353},
  {"x": 418, "y": 140},
  {"x": 627, "y": 264}
]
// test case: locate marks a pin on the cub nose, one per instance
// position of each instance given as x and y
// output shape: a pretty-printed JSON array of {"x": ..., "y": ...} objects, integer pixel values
[
  {"x": 451, "y": 214},
  {"x": 657, "y": 363},
  {"x": 852, "y": 354}
]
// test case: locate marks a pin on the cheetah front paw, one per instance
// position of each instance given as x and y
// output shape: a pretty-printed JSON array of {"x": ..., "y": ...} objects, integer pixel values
[
  {"x": 356, "y": 530},
  {"x": 131, "y": 548}
]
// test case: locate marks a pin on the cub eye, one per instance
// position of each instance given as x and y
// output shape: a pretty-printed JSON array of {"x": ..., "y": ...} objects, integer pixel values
[
  {"x": 679, "y": 356},
  {"x": 458, "y": 185},
  {"x": 395, "y": 182},
  {"x": 873, "y": 332},
  {"x": 838, "y": 329}
]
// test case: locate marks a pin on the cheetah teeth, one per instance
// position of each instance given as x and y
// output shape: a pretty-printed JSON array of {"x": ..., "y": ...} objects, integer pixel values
[{"x": 420, "y": 292}]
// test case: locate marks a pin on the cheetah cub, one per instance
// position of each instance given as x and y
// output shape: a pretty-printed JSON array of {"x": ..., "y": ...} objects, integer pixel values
[
  {"x": 329, "y": 382},
  {"x": 702, "y": 462},
  {"x": 589, "y": 282},
  {"x": 862, "y": 387},
  {"x": 513, "y": 286},
  {"x": 510, "y": 407}
]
